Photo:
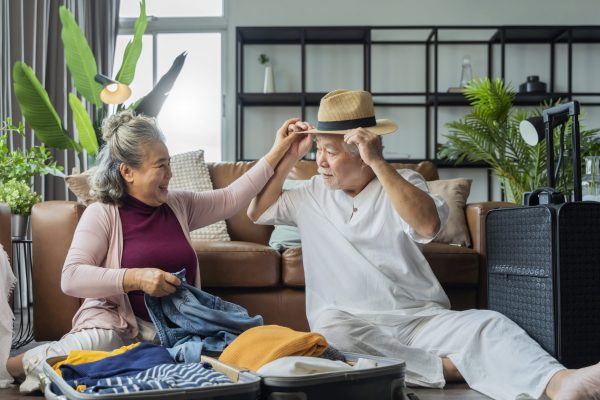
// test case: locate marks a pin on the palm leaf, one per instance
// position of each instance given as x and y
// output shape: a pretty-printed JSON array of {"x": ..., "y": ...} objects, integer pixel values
[
  {"x": 85, "y": 129},
  {"x": 38, "y": 111},
  {"x": 80, "y": 59},
  {"x": 134, "y": 48},
  {"x": 151, "y": 104}
]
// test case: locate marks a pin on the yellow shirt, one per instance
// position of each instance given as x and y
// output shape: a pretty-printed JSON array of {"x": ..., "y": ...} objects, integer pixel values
[{"x": 85, "y": 356}]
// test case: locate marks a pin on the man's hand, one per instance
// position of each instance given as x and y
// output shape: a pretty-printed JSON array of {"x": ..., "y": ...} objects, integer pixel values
[
  {"x": 369, "y": 145},
  {"x": 153, "y": 281}
]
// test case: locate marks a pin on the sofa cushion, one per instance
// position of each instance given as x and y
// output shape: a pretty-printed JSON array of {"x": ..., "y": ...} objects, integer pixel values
[
  {"x": 239, "y": 226},
  {"x": 292, "y": 269},
  {"x": 191, "y": 173},
  {"x": 452, "y": 265},
  {"x": 455, "y": 193},
  {"x": 285, "y": 236},
  {"x": 78, "y": 184},
  {"x": 237, "y": 264}
]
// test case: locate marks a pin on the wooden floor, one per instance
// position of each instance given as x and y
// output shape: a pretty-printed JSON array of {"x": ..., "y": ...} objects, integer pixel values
[{"x": 452, "y": 392}]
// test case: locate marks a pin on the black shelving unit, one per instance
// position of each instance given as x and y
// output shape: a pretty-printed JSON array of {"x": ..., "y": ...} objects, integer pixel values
[{"x": 433, "y": 96}]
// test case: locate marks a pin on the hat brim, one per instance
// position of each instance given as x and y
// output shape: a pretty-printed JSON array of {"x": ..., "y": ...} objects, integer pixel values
[{"x": 383, "y": 127}]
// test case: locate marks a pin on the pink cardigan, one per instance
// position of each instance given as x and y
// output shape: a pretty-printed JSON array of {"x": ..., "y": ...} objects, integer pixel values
[{"x": 93, "y": 270}]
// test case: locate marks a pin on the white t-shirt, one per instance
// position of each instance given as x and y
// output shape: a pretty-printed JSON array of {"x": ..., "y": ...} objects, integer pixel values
[{"x": 359, "y": 255}]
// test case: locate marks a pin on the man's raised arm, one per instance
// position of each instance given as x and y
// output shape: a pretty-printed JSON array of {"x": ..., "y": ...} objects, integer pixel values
[{"x": 300, "y": 146}]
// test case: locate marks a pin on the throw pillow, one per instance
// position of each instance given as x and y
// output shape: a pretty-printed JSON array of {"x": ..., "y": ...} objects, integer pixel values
[
  {"x": 79, "y": 185},
  {"x": 455, "y": 193},
  {"x": 284, "y": 236},
  {"x": 191, "y": 173}
]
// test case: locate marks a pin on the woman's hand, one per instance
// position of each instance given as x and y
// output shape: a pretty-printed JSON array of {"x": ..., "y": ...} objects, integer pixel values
[
  {"x": 153, "y": 281},
  {"x": 289, "y": 138}
]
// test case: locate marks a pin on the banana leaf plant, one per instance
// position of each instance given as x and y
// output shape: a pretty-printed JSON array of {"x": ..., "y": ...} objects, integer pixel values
[{"x": 41, "y": 115}]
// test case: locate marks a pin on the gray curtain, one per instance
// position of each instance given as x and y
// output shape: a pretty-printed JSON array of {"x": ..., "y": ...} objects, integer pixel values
[{"x": 30, "y": 32}]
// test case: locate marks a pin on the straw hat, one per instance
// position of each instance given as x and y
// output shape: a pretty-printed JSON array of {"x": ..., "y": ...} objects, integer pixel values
[{"x": 341, "y": 110}]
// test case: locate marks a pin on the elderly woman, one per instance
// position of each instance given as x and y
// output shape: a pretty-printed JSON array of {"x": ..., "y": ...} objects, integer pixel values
[{"x": 135, "y": 236}]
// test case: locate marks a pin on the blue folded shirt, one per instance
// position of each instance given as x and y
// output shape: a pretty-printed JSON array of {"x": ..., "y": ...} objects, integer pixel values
[{"x": 140, "y": 358}]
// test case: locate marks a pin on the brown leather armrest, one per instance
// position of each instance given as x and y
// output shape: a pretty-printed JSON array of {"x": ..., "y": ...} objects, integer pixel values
[
  {"x": 475, "y": 214},
  {"x": 53, "y": 224},
  {"x": 5, "y": 227}
]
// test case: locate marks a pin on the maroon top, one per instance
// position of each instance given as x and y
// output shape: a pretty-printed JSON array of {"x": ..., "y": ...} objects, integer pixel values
[{"x": 153, "y": 238}]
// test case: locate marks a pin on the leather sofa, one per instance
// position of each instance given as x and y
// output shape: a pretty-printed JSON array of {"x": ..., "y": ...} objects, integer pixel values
[
  {"x": 5, "y": 229},
  {"x": 246, "y": 270}
]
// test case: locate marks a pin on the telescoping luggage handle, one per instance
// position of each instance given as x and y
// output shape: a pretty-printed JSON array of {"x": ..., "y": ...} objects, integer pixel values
[{"x": 554, "y": 117}]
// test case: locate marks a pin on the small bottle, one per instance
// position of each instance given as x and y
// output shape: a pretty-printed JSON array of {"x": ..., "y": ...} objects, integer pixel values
[
  {"x": 467, "y": 72},
  {"x": 590, "y": 184}
]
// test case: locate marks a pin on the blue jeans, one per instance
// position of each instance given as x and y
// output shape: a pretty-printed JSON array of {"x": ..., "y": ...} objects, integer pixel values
[{"x": 191, "y": 320}]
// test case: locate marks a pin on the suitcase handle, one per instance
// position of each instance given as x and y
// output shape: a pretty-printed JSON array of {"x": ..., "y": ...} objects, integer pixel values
[{"x": 545, "y": 195}]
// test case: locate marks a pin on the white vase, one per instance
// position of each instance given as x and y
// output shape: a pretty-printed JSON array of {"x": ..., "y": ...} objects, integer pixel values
[
  {"x": 269, "y": 86},
  {"x": 19, "y": 226}
]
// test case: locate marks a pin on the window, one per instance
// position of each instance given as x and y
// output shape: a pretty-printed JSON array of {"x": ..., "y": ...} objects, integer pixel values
[{"x": 191, "y": 117}]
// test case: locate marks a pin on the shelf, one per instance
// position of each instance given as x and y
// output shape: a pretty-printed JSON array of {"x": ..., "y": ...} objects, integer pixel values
[
  {"x": 317, "y": 35},
  {"x": 521, "y": 99},
  {"x": 528, "y": 34},
  {"x": 282, "y": 99},
  {"x": 433, "y": 108},
  {"x": 535, "y": 99},
  {"x": 270, "y": 99}
]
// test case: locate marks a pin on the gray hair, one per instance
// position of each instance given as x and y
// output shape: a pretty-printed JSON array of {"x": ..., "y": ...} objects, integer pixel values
[{"x": 125, "y": 135}]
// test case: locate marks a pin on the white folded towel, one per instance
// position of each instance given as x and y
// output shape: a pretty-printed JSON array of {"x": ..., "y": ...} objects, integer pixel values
[
  {"x": 299, "y": 365},
  {"x": 7, "y": 283}
]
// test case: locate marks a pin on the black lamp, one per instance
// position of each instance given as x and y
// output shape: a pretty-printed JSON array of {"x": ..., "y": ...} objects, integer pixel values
[
  {"x": 535, "y": 129},
  {"x": 114, "y": 92}
]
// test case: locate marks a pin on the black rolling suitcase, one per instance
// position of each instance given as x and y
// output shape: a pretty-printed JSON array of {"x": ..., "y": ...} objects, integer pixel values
[{"x": 543, "y": 265}]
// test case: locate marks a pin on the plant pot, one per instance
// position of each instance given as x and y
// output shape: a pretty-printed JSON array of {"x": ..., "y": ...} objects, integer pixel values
[
  {"x": 269, "y": 86},
  {"x": 19, "y": 226}
]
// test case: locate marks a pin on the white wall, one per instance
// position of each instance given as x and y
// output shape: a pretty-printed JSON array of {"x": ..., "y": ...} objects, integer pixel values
[{"x": 410, "y": 13}]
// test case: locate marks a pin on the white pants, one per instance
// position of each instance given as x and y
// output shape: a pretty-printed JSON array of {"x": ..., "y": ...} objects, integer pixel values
[
  {"x": 86, "y": 339},
  {"x": 494, "y": 355}
]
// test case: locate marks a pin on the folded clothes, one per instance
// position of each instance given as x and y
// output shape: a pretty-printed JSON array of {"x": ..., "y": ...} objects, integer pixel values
[
  {"x": 298, "y": 366},
  {"x": 260, "y": 345},
  {"x": 138, "y": 359},
  {"x": 161, "y": 377},
  {"x": 87, "y": 356}
]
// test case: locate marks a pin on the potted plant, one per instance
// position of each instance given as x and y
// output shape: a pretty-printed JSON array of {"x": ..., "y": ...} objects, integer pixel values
[
  {"x": 22, "y": 164},
  {"x": 269, "y": 84},
  {"x": 490, "y": 134},
  {"x": 20, "y": 198},
  {"x": 17, "y": 168}
]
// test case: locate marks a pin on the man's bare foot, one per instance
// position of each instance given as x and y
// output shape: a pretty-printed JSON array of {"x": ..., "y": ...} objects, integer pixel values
[
  {"x": 578, "y": 384},
  {"x": 451, "y": 373}
]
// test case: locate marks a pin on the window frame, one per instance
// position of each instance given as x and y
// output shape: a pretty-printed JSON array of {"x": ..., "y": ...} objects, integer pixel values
[{"x": 162, "y": 25}]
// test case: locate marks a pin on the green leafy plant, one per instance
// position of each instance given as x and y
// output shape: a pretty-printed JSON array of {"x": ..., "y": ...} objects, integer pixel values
[
  {"x": 39, "y": 112},
  {"x": 19, "y": 197},
  {"x": 22, "y": 164},
  {"x": 263, "y": 59},
  {"x": 490, "y": 134}
]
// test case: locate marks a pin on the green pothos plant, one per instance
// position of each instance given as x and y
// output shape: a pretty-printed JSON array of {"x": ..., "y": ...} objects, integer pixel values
[
  {"x": 41, "y": 115},
  {"x": 490, "y": 134}
]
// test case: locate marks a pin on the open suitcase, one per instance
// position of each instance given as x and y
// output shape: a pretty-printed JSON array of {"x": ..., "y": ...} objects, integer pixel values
[
  {"x": 384, "y": 382},
  {"x": 543, "y": 265}
]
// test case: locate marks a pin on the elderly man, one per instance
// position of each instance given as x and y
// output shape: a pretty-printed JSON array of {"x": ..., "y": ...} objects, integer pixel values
[{"x": 369, "y": 288}]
